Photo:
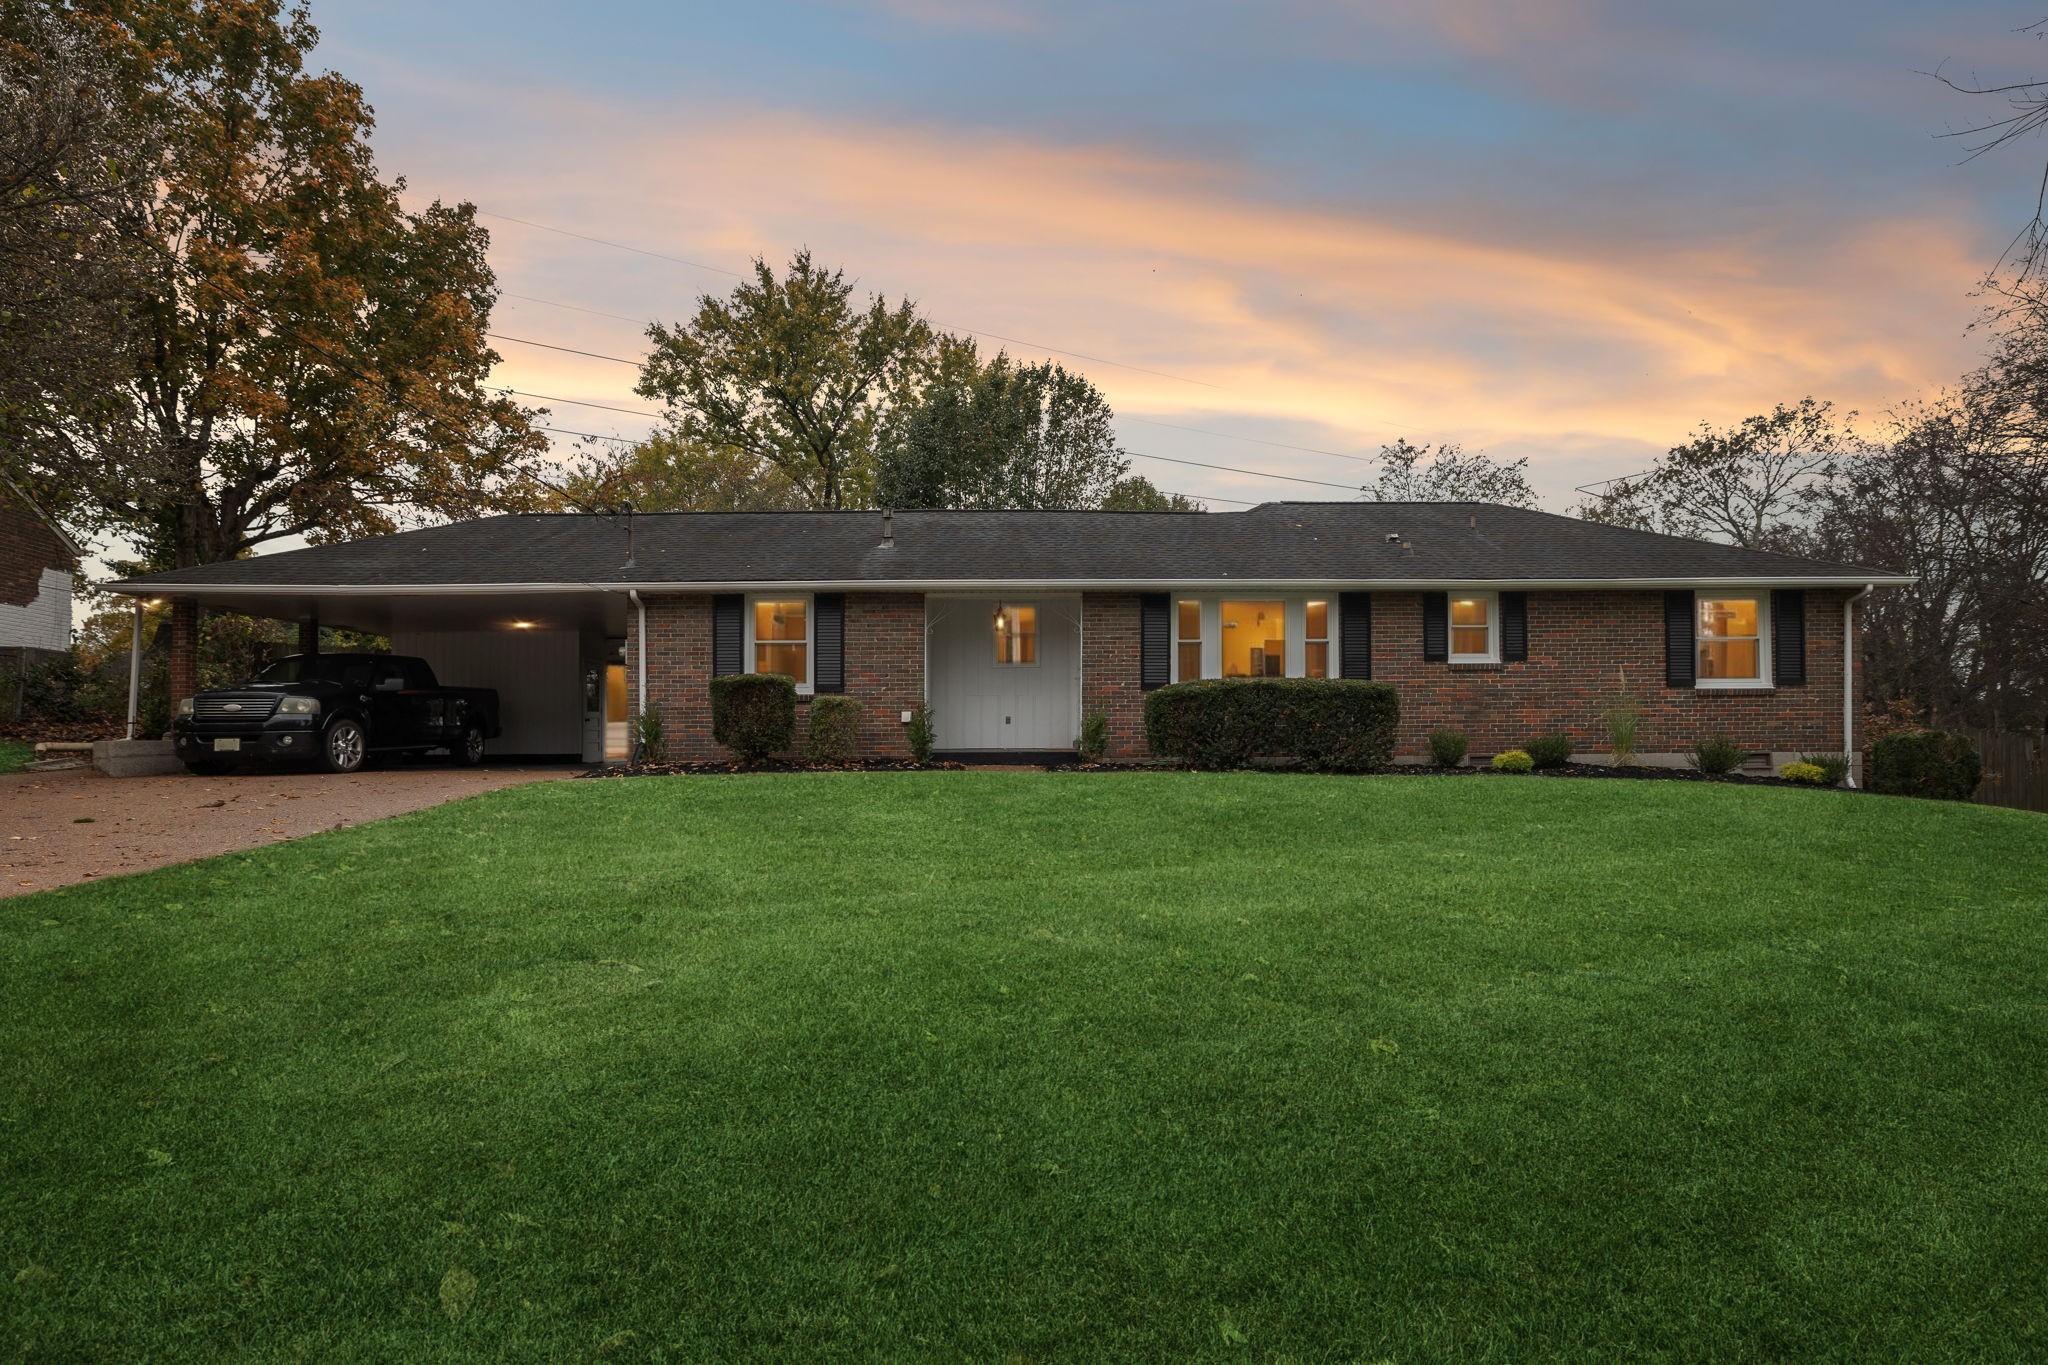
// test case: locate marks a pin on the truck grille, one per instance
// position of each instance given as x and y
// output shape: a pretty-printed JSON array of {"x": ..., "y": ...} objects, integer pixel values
[{"x": 244, "y": 706}]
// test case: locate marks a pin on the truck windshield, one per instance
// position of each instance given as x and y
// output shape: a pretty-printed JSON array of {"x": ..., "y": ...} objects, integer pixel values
[{"x": 351, "y": 670}]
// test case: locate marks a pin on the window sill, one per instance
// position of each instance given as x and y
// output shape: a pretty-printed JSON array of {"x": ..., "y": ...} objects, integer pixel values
[
  {"x": 1476, "y": 664},
  {"x": 1751, "y": 687}
]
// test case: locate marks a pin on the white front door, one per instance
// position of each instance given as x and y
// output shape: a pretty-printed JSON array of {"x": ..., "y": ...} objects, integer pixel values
[{"x": 1005, "y": 673}]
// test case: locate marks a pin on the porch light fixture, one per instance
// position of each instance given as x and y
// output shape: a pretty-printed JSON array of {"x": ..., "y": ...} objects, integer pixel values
[
  {"x": 999, "y": 616},
  {"x": 522, "y": 625}
]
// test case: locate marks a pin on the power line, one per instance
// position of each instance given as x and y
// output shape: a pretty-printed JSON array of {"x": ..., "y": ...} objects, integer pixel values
[
  {"x": 572, "y": 307},
  {"x": 571, "y": 350},
  {"x": 1254, "y": 473},
  {"x": 949, "y": 326},
  {"x": 1254, "y": 440},
  {"x": 573, "y": 402}
]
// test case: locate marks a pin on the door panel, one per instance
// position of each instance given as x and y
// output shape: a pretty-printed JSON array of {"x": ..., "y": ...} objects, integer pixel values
[{"x": 979, "y": 701}]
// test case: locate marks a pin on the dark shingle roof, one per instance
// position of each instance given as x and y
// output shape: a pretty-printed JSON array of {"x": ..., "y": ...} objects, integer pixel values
[{"x": 1329, "y": 542}]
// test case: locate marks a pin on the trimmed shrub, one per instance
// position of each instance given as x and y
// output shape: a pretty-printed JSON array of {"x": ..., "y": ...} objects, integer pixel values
[
  {"x": 1329, "y": 724},
  {"x": 1513, "y": 761},
  {"x": 1834, "y": 767},
  {"x": 1094, "y": 742},
  {"x": 1812, "y": 774},
  {"x": 653, "y": 737},
  {"x": 920, "y": 734},
  {"x": 1447, "y": 748},
  {"x": 1717, "y": 755},
  {"x": 1549, "y": 751},
  {"x": 1930, "y": 763},
  {"x": 834, "y": 738},
  {"x": 754, "y": 714}
]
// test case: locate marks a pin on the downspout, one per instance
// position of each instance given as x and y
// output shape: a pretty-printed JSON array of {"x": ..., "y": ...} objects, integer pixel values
[
  {"x": 135, "y": 669},
  {"x": 1849, "y": 679},
  {"x": 639, "y": 664}
]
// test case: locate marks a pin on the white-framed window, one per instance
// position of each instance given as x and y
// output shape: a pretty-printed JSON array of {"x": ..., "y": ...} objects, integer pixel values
[
  {"x": 779, "y": 637},
  {"x": 1254, "y": 635},
  {"x": 1732, "y": 634},
  {"x": 1016, "y": 630},
  {"x": 1475, "y": 628}
]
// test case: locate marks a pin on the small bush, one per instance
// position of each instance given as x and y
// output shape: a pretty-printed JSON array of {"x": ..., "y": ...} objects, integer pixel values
[
  {"x": 753, "y": 714},
  {"x": 834, "y": 738},
  {"x": 1717, "y": 755},
  {"x": 1447, "y": 748},
  {"x": 652, "y": 736},
  {"x": 1549, "y": 751},
  {"x": 1834, "y": 767},
  {"x": 1812, "y": 774},
  {"x": 1094, "y": 742},
  {"x": 1329, "y": 724},
  {"x": 1513, "y": 761},
  {"x": 1624, "y": 717},
  {"x": 1929, "y": 763},
  {"x": 920, "y": 734}
]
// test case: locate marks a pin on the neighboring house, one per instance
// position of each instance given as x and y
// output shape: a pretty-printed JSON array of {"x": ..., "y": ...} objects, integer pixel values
[
  {"x": 1014, "y": 625},
  {"x": 36, "y": 562}
]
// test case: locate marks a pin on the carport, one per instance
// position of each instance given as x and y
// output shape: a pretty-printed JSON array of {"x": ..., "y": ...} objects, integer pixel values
[{"x": 554, "y": 652}]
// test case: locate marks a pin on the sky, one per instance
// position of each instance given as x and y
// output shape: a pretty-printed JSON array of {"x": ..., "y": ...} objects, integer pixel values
[{"x": 1281, "y": 234}]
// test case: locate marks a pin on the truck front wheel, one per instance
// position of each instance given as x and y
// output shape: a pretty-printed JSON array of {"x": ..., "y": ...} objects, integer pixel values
[
  {"x": 469, "y": 750},
  {"x": 345, "y": 748}
]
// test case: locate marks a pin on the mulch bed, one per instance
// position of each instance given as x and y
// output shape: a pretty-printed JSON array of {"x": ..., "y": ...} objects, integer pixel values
[
  {"x": 55, "y": 732},
  {"x": 1632, "y": 773}
]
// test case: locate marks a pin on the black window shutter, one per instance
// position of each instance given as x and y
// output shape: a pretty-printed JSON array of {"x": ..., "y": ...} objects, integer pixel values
[
  {"x": 828, "y": 642},
  {"x": 1788, "y": 636},
  {"x": 1514, "y": 627},
  {"x": 1354, "y": 621},
  {"x": 1680, "y": 656},
  {"x": 1436, "y": 627},
  {"x": 728, "y": 634},
  {"x": 1155, "y": 640}
]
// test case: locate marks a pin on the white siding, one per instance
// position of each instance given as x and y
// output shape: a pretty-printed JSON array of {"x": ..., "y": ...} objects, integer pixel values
[
  {"x": 538, "y": 675},
  {"x": 980, "y": 704},
  {"x": 45, "y": 623}
]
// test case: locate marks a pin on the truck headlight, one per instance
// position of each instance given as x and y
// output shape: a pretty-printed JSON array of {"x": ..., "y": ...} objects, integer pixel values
[
  {"x": 184, "y": 706},
  {"x": 299, "y": 706}
]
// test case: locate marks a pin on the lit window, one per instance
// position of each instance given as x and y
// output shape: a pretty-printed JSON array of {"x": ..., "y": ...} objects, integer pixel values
[
  {"x": 782, "y": 638},
  {"x": 1187, "y": 639},
  {"x": 1472, "y": 628},
  {"x": 1315, "y": 660},
  {"x": 1016, "y": 634},
  {"x": 1731, "y": 640},
  {"x": 1254, "y": 639}
]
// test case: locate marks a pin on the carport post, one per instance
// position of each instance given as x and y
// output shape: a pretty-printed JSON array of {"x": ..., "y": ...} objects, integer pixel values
[
  {"x": 135, "y": 668},
  {"x": 309, "y": 635}
]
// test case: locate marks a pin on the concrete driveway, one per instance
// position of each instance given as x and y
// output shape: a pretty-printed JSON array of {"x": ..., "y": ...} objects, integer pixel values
[{"x": 64, "y": 827}]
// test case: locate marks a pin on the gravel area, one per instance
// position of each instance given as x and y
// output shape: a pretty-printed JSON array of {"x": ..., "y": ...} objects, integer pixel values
[{"x": 59, "y": 828}]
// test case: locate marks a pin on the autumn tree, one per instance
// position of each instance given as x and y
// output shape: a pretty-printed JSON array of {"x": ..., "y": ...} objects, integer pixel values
[
  {"x": 73, "y": 187},
  {"x": 1007, "y": 435},
  {"x": 670, "y": 473},
  {"x": 1448, "y": 473},
  {"x": 791, "y": 373},
  {"x": 1757, "y": 484},
  {"x": 312, "y": 353}
]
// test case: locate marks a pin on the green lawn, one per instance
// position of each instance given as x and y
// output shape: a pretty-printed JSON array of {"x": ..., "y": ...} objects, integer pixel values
[
  {"x": 14, "y": 754},
  {"x": 1005, "y": 1067}
]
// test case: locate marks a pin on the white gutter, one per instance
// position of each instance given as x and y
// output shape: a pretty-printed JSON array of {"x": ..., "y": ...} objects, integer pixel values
[
  {"x": 639, "y": 657},
  {"x": 1849, "y": 679}
]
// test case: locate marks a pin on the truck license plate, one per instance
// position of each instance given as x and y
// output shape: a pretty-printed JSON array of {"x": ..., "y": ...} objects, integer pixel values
[{"x": 226, "y": 746}]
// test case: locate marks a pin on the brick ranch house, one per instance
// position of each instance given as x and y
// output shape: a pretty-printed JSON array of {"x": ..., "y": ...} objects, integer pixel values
[
  {"x": 36, "y": 563},
  {"x": 1013, "y": 626}
]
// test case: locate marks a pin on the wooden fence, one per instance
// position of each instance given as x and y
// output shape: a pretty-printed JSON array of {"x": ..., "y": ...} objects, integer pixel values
[{"x": 2015, "y": 769}]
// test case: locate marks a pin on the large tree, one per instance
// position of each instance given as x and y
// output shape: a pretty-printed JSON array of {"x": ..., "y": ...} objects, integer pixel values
[
  {"x": 1007, "y": 435},
  {"x": 1758, "y": 483},
  {"x": 73, "y": 187},
  {"x": 1448, "y": 473},
  {"x": 670, "y": 473},
  {"x": 789, "y": 372},
  {"x": 311, "y": 353}
]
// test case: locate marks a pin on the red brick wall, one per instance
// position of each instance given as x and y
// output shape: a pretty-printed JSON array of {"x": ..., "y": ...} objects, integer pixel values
[
  {"x": 1579, "y": 645},
  {"x": 1109, "y": 669},
  {"x": 884, "y": 669}
]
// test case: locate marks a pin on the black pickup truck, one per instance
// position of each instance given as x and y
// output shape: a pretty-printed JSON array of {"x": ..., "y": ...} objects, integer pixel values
[{"x": 335, "y": 710}]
